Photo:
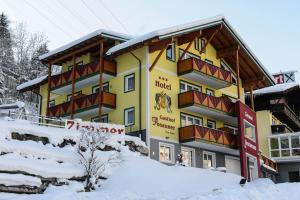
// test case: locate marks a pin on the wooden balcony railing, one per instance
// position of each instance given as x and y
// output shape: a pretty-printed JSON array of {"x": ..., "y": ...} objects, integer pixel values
[
  {"x": 201, "y": 133},
  {"x": 268, "y": 162},
  {"x": 83, "y": 103},
  {"x": 191, "y": 98},
  {"x": 81, "y": 72},
  {"x": 286, "y": 115},
  {"x": 194, "y": 64}
]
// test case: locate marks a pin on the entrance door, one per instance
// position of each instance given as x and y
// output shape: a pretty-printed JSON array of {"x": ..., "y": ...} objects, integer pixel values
[
  {"x": 252, "y": 168},
  {"x": 232, "y": 165}
]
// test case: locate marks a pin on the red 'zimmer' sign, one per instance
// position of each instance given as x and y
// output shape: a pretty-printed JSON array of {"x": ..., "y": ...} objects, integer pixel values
[{"x": 94, "y": 126}]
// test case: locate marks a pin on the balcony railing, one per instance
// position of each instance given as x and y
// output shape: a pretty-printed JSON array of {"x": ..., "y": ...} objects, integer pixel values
[
  {"x": 190, "y": 98},
  {"x": 205, "y": 134},
  {"x": 280, "y": 128},
  {"x": 196, "y": 65},
  {"x": 286, "y": 115},
  {"x": 268, "y": 162},
  {"x": 82, "y": 103},
  {"x": 82, "y": 72}
]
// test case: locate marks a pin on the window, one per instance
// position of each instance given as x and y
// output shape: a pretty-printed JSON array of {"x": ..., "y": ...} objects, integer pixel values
[
  {"x": 170, "y": 52},
  {"x": 105, "y": 88},
  {"x": 196, "y": 44},
  {"x": 295, "y": 145},
  {"x": 274, "y": 147},
  {"x": 129, "y": 116},
  {"x": 249, "y": 131},
  {"x": 203, "y": 44},
  {"x": 209, "y": 61},
  {"x": 184, "y": 86},
  {"x": 104, "y": 119},
  {"x": 210, "y": 92},
  {"x": 188, "y": 55},
  {"x": 211, "y": 124},
  {"x": 187, "y": 156},
  {"x": 51, "y": 103},
  {"x": 252, "y": 170},
  {"x": 75, "y": 94},
  {"x": 225, "y": 67},
  {"x": 285, "y": 146},
  {"x": 209, "y": 160},
  {"x": 187, "y": 120},
  {"x": 77, "y": 64},
  {"x": 166, "y": 153},
  {"x": 294, "y": 176},
  {"x": 129, "y": 83}
]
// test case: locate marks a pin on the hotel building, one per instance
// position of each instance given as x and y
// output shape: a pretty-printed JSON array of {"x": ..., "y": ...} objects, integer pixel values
[{"x": 181, "y": 89}]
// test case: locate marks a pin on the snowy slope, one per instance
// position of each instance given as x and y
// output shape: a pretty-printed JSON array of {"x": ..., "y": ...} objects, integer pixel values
[{"x": 132, "y": 176}]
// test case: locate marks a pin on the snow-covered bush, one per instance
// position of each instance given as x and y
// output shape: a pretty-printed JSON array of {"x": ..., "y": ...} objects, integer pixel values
[{"x": 88, "y": 148}]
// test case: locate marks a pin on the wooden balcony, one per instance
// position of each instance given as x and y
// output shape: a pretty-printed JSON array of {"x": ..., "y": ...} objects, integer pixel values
[
  {"x": 280, "y": 128},
  {"x": 202, "y": 72},
  {"x": 286, "y": 115},
  {"x": 195, "y": 134},
  {"x": 268, "y": 163},
  {"x": 85, "y": 75},
  {"x": 219, "y": 108},
  {"x": 85, "y": 104}
]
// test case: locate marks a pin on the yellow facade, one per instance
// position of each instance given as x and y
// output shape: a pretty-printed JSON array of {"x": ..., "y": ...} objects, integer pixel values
[{"x": 162, "y": 123}]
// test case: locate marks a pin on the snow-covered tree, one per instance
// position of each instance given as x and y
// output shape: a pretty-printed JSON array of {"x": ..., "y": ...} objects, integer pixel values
[{"x": 88, "y": 148}]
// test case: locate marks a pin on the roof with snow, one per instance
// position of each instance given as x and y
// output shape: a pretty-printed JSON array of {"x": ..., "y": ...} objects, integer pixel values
[
  {"x": 31, "y": 84},
  {"x": 92, "y": 36},
  {"x": 251, "y": 68},
  {"x": 279, "y": 88}
]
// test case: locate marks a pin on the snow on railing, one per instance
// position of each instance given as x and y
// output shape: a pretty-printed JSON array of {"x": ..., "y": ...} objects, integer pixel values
[{"x": 38, "y": 119}]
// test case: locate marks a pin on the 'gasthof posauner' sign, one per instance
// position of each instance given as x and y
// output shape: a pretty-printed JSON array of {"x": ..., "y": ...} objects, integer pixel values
[{"x": 95, "y": 126}]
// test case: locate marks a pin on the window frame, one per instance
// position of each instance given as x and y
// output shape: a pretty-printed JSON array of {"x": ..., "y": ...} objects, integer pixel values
[
  {"x": 197, "y": 44},
  {"x": 97, "y": 117},
  {"x": 173, "y": 53},
  {"x": 51, "y": 101},
  {"x": 172, "y": 152},
  {"x": 213, "y": 92},
  {"x": 193, "y": 161},
  {"x": 189, "y": 84},
  {"x": 191, "y": 55},
  {"x": 253, "y": 131},
  {"x": 69, "y": 96},
  {"x": 126, "y": 110},
  {"x": 212, "y": 121},
  {"x": 95, "y": 87},
  {"x": 126, "y": 78},
  {"x": 213, "y": 155},
  {"x": 191, "y": 116},
  {"x": 203, "y": 41}
]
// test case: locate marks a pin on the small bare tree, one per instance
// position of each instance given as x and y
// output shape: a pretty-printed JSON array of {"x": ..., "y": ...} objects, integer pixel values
[{"x": 89, "y": 143}]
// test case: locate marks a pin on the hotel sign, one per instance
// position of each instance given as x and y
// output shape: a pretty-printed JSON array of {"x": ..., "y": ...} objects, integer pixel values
[{"x": 94, "y": 126}]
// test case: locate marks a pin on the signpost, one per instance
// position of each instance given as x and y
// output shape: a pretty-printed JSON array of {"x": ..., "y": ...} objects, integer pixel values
[{"x": 95, "y": 126}]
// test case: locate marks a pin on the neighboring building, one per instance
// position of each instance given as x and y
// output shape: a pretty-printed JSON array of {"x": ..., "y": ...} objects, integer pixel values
[
  {"x": 278, "y": 122},
  {"x": 176, "y": 88}
]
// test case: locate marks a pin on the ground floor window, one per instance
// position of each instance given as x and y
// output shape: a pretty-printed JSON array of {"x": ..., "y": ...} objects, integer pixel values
[
  {"x": 209, "y": 159},
  {"x": 129, "y": 116},
  {"x": 166, "y": 152},
  {"x": 187, "y": 156},
  {"x": 104, "y": 119},
  {"x": 294, "y": 176},
  {"x": 252, "y": 170}
]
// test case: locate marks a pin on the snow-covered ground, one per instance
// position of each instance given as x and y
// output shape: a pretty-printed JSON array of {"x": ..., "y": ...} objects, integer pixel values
[{"x": 133, "y": 177}]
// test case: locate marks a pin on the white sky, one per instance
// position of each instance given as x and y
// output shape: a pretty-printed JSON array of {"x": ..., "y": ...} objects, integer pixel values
[{"x": 269, "y": 27}]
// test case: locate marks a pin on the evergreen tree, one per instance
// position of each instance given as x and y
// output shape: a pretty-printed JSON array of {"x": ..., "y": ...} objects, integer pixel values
[{"x": 6, "y": 52}]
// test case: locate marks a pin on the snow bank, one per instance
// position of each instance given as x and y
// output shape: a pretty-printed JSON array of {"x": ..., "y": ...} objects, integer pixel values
[{"x": 19, "y": 179}]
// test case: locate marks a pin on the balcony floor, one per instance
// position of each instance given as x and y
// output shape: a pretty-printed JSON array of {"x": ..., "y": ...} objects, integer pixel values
[
  {"x": 92, "y": 80},
  {"x": 212, "y": 147},
  {"x": 205, "y": 79},
  {"x": 214, "y": 114}
]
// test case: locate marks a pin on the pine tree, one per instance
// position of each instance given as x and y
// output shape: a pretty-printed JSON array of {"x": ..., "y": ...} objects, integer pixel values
[
  {"x": 38, "y": 68},
  {"x": 6, "y": 52}
]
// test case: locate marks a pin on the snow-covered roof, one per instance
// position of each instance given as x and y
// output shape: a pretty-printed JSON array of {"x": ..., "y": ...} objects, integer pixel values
[
  {"x": 102, "y": 32},
  {"x": 276, "y": 88},
  {"x": 18, "y": 104},
  {"x": 189, "y": 27},
  {"x": 32, "y": 82},
  {"x": 167, "y": 32}
]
